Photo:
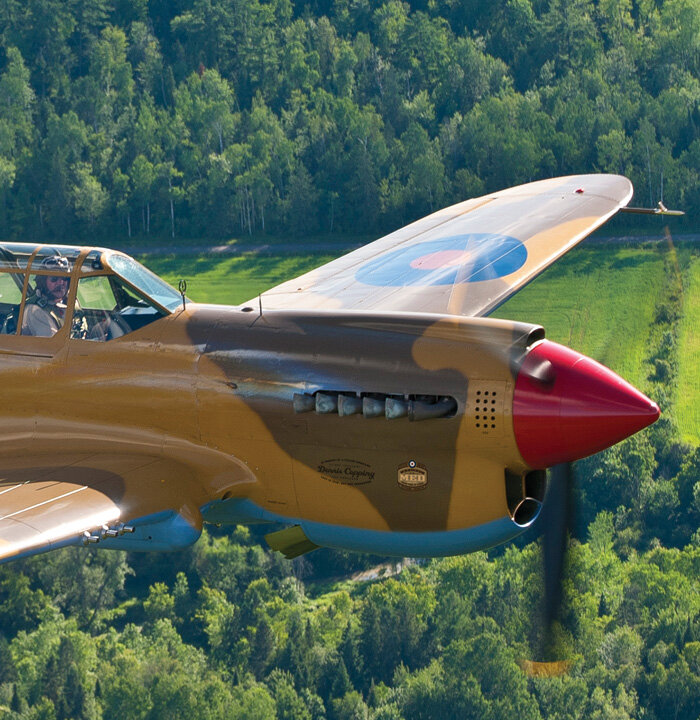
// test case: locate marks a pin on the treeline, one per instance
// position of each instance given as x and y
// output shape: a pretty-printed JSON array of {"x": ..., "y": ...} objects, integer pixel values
[{"x": 221, "y": 117}]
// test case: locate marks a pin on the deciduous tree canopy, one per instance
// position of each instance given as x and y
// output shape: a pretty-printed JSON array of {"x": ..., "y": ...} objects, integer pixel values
[{"x": 214, "y": 118}]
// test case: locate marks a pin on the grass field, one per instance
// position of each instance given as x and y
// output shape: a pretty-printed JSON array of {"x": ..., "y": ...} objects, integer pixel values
[
  {"x": 231, "y": 280},
  {"x": 687, "y": 407},
  {"x": 599, "y": 299}
]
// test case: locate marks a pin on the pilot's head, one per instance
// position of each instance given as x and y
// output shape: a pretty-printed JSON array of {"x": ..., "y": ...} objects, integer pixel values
[{"x": 54, "y": 287}]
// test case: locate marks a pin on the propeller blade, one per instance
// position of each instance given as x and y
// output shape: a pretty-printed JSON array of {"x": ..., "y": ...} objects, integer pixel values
[
  {"x": 556, "y": 522},
  {"x": 556, "y": 518}
]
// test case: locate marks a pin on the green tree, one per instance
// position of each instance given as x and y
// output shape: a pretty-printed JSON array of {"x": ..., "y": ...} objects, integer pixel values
[
  {"x": 147, "y": 60},
  {"x": 350, "y": 707},
  {"x": 569, "y": 33},
  {"x": 20, "y": 606},
  {"x": 159, "y": 603},
  {"x": 614, "y": 152},
  {"x": 88, "y": 197},
  {"x": 263, "y": 647},
  {"x": 302, "y": 199},
  {"x": 143, "y": 177},
  {"x": 64, "y": 147},
  {"x": 81, "y": 582},
  {"x": 253, "y": 701},
  {"x": 17, "y": 102},
  {"x": 109, "y": 87},
  {"x": 289, "y": 705}
]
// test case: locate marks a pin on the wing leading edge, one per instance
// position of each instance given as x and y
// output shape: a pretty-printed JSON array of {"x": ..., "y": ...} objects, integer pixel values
[{"x": 466, "y": 259}]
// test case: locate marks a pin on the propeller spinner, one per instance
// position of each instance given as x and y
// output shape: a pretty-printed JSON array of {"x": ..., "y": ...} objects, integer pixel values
[{"x": 567, "y": 406}]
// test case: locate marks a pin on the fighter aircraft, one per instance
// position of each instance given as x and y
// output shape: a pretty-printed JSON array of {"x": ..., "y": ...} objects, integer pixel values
[{"x": 370, "y": 404}]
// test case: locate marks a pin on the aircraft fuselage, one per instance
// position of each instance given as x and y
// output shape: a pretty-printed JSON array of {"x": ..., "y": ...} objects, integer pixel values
[{"x": 390, "y": 433}]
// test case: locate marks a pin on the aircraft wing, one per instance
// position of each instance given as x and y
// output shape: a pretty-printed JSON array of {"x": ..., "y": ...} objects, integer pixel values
[
  {"x": 89, "y": 500},
  {"x": 466, "y": 259},
  {"x": 39, "y": 516}
]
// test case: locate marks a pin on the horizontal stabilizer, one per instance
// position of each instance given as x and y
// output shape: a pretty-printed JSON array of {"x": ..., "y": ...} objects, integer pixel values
[{"x": 291, "y": 542}]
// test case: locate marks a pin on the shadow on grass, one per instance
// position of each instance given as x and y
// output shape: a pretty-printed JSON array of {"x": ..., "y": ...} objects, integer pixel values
[
  {"x": 633, "y": 261},
  {"x": 280, "y": 267}
]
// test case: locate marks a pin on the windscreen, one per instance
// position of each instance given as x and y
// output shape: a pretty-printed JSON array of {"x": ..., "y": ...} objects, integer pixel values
[{"x": 143, "y": 279}]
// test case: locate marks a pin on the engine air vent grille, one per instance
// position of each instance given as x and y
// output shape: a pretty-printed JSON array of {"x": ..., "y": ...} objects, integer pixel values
[{"x": 486, "y": 402}]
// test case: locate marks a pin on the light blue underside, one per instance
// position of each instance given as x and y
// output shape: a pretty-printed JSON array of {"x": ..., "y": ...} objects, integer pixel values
[
  {"x": 163, "y": 531},
  {"x": 168, "y": 530},
  {"x": 400, "y": 544}
]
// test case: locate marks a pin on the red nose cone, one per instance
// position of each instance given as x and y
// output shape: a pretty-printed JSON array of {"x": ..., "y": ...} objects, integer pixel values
[{"x": 567, "y": 406}]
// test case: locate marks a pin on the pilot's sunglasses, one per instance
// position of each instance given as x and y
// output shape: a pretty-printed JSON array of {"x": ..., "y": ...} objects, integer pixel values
[{"x": 57, "y": 279}]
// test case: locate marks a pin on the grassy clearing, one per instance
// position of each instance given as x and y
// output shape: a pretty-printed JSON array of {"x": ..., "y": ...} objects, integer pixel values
[
  {"x": 687, "y": 410},
  {"x": 600, "y": 301},
  {"x": 231, "y": 280}
]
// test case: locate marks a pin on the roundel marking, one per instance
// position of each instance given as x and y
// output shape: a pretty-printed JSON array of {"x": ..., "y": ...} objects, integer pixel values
[{"x": 475, "y": 257}]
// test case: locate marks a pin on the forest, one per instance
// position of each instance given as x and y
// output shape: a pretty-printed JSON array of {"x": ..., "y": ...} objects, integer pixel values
[
  {"x": 212, "y": 118},
  {"x": 162, "y": 119}
]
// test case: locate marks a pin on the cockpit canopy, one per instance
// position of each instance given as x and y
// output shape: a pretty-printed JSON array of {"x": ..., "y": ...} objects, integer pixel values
[{"x": 91, "y": 293}]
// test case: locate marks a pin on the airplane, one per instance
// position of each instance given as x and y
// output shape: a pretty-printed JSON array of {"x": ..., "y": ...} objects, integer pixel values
[{"x": 370, "y": 404}]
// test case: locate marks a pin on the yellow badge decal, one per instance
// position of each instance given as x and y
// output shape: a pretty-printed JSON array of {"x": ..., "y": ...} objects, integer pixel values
[{"x": 412, "y": 476}]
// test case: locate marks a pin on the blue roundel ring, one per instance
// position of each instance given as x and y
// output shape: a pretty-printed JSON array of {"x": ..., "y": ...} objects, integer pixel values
[{"x": 475, "y": 257}]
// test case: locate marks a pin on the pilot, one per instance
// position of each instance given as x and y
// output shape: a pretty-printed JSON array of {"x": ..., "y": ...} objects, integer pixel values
[{"x": 45, "y": 310}]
